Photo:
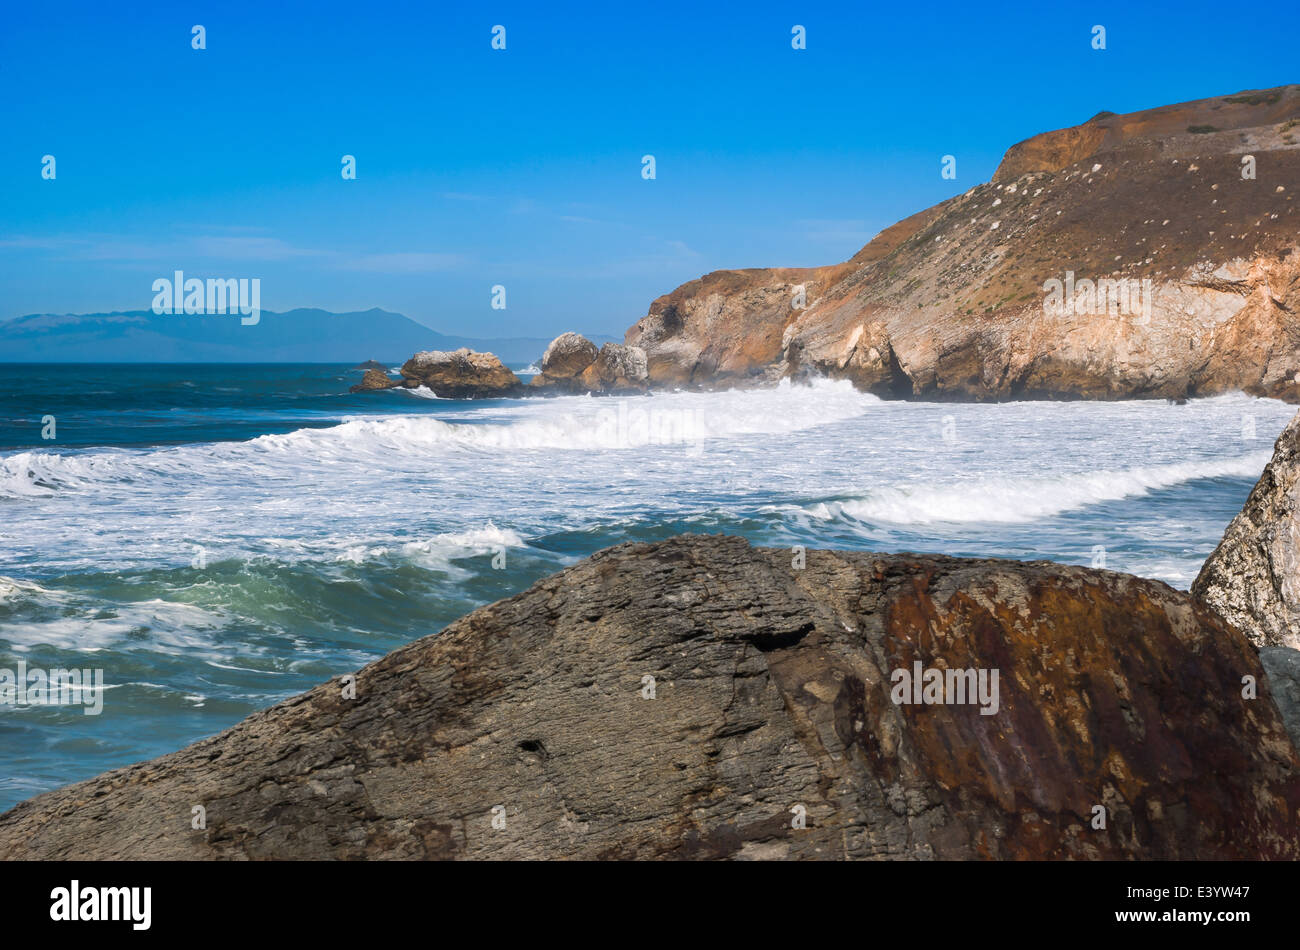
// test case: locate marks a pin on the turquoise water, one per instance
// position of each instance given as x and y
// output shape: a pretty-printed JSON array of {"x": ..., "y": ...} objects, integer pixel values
[{"x": 216, "y": 538}]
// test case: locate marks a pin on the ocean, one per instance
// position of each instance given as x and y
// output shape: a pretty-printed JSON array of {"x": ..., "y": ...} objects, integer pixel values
[{"x": 217, "y": 538}]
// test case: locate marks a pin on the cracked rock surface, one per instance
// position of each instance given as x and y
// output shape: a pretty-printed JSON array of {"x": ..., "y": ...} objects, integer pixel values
[
  {"x": 1252, "y": 579},
  {"x": 526, "y": 729}
]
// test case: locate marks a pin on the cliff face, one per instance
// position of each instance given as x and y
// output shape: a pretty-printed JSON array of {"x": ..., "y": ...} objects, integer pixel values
[
  {"x": 699, "y": 698},
  {"x": 1252, "y": 579},
  {"x": 955, "y": 302}
]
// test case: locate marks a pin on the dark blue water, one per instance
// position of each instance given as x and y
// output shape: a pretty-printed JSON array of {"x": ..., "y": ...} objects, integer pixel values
[{"x": 169, "y": 404}]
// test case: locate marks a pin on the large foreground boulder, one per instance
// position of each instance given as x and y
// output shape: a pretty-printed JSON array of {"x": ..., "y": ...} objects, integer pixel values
[
  {"x": 461, "y": 374},
  {"x": 699, "y": 698},
  {"x": 1252, "y": 579}
]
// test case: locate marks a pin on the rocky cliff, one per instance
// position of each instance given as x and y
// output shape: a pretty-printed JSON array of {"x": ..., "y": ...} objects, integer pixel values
[
  {"x": 1149, "y": 254},
  {"x": 699, "y": 698}
]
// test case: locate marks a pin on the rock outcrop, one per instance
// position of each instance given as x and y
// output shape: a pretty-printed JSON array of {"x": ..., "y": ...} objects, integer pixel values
[
  {"x": 563, "y": 362},
  {"x": 1172, "y": 234},
  {"x": 1252, "y": 579},
  {"x": 374, "y": 379},
  {"x": 461, "y": 374},
  {"x": 617, "y": 369},
  {"x": 699, "y": 698},
  {"x": 572, "y": 364}
]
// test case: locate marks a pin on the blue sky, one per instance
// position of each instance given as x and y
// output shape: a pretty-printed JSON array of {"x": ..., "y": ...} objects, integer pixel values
[{"x": 522, "y": 167}]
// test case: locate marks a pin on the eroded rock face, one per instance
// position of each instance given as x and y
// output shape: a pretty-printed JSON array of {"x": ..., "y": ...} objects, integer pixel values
[
  {"x": 617, "y": 369},
  {"x": 1252, "y": 579},
  {"x": 568, "y": 355},
  {"x": 461, "y": 374},
  {"x": 699, "y": 698},
  {"x": 374, "y": 379},
  {"x": 1201, "y": 265},
  {"x": 563, "y": 363}
]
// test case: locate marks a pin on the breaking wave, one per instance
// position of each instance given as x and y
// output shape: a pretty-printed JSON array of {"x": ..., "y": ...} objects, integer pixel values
[{"x": 1020, "y": 500}]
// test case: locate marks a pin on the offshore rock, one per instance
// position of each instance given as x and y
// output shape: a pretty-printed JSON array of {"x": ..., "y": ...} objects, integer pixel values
[
  {"x": 461, "y": 374},
  {"x": 617, "y": 369},
  {"x": 374, "y": 379},
  {"x": 563, "y": 362}
]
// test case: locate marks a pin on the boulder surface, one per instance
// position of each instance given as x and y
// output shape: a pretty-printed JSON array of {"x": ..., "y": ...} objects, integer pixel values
[
  {"x": 1283, "y": 667},
  {"x": 563, "y": 362},
  {"x": 701, "y": 698},
  {"x": 374, "y": 379},
  {"x": 461, "y": 374},
  {"x": 1252, "y": 579},
  {"x": 617, "y": 369}
]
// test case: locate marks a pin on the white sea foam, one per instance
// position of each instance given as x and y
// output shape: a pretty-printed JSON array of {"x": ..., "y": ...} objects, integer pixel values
[
  {"x": 559, "y": 424},
  {"x": 438, "y": 550},
  {"x": 1011, "y": 499},
  {"x": 821, "y": 464}
]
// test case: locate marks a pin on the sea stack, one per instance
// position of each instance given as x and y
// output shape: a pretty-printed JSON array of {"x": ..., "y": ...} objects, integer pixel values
[
  {"x": 461, "y": 374},
  {"x": 572, "y": 364}
]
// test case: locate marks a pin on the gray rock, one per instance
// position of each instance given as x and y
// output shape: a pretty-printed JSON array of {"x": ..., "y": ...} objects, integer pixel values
[
  {"x": 1283, "y": 667},
  {"x": 1252, "y": 579}
]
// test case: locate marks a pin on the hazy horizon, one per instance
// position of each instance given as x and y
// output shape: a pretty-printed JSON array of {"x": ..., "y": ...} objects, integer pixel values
[{"x": 522, "y": 168}]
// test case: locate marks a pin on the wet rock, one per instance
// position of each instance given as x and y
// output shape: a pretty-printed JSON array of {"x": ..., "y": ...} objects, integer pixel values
[{"x": 700, "y": 698}]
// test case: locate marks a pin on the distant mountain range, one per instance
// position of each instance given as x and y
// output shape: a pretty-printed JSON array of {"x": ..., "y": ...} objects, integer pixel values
[{"x": 296, "y": 336}]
